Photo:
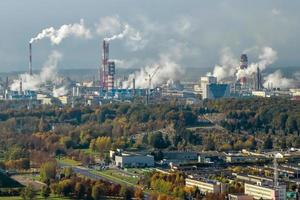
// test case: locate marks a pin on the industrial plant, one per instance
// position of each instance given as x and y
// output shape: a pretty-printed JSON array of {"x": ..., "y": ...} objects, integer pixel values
[{"x": 245, "y": 82}]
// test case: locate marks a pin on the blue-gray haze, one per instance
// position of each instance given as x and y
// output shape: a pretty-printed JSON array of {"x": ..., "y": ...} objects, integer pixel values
[{"x": 202, "y": 28}]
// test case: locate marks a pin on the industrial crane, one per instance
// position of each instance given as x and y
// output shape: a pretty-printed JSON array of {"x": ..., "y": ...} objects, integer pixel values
[{"x": 150, "y": 77}]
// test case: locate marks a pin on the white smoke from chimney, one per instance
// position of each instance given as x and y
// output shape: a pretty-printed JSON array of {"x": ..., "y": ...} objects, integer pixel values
[
  {"x": 228, "y": 65},
  {"x": 47, "y": 74},
  {"x": 168, "y": 70},
  {"x": 56, "y": 36},
  {"x": 277, "y": 80},
  {"x": 120, "y": 30},
  {"x": 267, "y": 57},
  {"x": 61, "y": 91}
]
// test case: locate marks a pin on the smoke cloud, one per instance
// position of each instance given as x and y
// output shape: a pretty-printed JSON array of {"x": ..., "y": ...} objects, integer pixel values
[
  {"x": 61, "y": 91},
  {"x": 276, "y": 80},
  {"x": 168, "y": 70},
  {"x": 267, "y": 57},
  {"x": 120, "y": 30},
  {"x": 228, "y": 65},
  {"x": 57, "y": 35},
  {"x": 35, "y": 81}
]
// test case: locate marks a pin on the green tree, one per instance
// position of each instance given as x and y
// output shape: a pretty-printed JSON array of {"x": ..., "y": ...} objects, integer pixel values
[
  {"x": 96, "y": 192},
  {"x": 268, "y": 143},
  {"x": 79, "y": 190},
  {"x": 48, "y": 171},
  {"x": 45, "y": 192},
  {"x": 28, "y": 193}
]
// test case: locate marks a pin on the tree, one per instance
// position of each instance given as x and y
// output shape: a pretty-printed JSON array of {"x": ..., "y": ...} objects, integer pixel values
[
  {"x": 48, "y": 171},
  {"x": 28, "y": 193},
  {"x": 79, "y": 190},
  {"x": 268, "y": 143},
  {"x": 96, "y": 192},
  {"x": 126, "y": 192},
  {"x": 138, "y": 194},
  {"x": 45, "y": 191}
]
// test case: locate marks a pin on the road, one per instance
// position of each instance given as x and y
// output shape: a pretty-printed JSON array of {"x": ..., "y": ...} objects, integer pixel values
[
  {"x": 91, "y": 173},
  {"x": 84, "y": 171}
]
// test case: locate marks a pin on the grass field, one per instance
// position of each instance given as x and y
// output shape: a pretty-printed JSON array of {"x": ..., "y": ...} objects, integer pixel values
[
  {"x": 116, "y": 176},
  {"x": 68, "y": 161},
  {"x": 37, "y": 198}
]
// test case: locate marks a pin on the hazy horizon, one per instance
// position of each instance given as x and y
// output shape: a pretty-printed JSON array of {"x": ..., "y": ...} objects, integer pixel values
[{"x": 193, "y": 33}]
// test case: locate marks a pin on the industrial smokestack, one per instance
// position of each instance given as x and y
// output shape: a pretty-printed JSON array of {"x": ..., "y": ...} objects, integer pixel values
[
  {"x": 104, "y": 67},
  {"x": 21, "y": 86},
  {"x": 133, "y": 86},
  {"x": 244, "y": 61},
  {"x": 30, "y": 58}
]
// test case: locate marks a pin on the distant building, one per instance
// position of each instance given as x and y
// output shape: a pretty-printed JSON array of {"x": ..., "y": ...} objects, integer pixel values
[
  {"x": 21, "y": 95},
  {"x": 266, "y": 192},
  {"x": 211, "y": 157},
  {"x": 206, "y": 186},
  {"x": 240, "y": 158},
  {"x": 260, "y": 93},
  {"x": 64, "y": 99},
  {"x": 180, "y": 155},
  {"x": 239, "y": 197},
  {"x": 134, "y": 160},
  {"x": 216, "y": 91},
  {"x": 204, "y": 82},
  {"x": 44, "y": 99}
]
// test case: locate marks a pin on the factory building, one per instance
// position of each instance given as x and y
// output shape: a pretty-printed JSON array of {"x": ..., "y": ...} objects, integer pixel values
[
  {"x": 216, "y": 91},
  {"x": 111, "y": 75},
  {"x": 204, "y": 82},
  {"x": 206, "y": 186},
  {"x": 265, "y": 191},
  {"x": 133, "y": 160}
]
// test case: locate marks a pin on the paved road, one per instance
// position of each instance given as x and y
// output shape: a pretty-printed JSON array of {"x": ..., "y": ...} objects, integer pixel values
[{"x": 84, "y": 171}]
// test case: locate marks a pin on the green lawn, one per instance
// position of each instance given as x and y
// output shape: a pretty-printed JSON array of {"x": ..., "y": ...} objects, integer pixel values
[
  {"x": 116, "y": 176},
  {"x": 37, "y": 198},
  {"x": 68, "y": 161},
  {"x": 90, "y": 152}
]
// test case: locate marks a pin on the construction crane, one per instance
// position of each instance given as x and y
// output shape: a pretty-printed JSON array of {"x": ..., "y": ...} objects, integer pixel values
[{"x": 150, "y": 77}]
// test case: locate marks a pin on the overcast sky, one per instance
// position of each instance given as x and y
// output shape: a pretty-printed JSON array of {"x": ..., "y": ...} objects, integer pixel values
[{"x": 195, "y": 31}]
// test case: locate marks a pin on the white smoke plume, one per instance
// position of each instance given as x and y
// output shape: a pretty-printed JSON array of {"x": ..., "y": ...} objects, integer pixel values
[
  {"x": 120, "y": 30},
  {"x": 61, "y": 91},
  {"x": 267, "y": 57},
  {"x": 276, "y": 80},
  {"x": 57, "y": 35},
  {"x": 35, "y": 81},
  {"x": 228, "y": 65},
  {"x": 167, "y": 69}
]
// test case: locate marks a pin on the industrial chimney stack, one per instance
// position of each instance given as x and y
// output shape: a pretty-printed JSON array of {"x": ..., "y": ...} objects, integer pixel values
[
  {"x": 30, "y": 59},
  {"x": 104, "y": 66}
]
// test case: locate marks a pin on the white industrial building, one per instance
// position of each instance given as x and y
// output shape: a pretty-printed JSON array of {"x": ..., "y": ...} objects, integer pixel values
[
  {"x": 206, "y": 186},
  {"x": 134, "y": 160}
]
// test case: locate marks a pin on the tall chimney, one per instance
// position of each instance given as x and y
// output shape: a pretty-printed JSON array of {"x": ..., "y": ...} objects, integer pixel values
[
  {"x": 21, "y": 86},
  {"x": 104, "y": 67},
  {"x": 133, "y": 86},
  {"x": 30, "y": 59}
]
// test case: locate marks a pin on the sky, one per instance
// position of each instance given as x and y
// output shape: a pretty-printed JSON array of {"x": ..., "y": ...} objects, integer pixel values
[{"x": 193, "y": 32}]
